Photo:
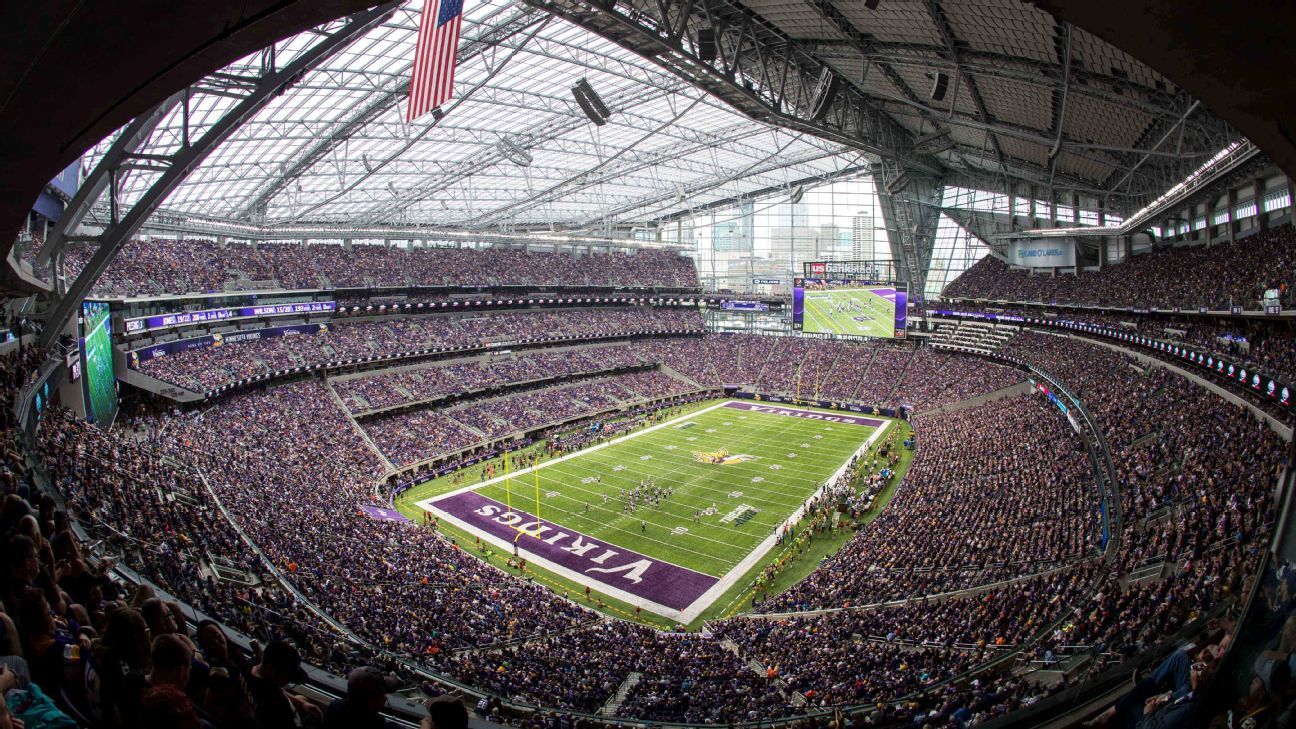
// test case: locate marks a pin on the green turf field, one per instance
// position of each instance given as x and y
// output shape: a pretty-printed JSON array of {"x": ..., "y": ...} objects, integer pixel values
[
  {"x": 735, "y": 477},
  {"x": 854, "y": 312}
]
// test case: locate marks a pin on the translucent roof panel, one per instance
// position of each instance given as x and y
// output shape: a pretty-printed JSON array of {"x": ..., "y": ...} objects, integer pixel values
[{"x": 335, "y": 146}]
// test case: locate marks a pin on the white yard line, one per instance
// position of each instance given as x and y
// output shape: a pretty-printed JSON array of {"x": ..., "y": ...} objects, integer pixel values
[
  {"x": 423, "y": 504},
  {"x": 725, "y": 582},
  {"x": 669, "y": 507},
  {"x": 731, "y": 578}
]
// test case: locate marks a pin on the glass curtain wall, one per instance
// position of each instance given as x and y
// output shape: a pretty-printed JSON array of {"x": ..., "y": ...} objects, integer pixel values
[
  {"x": 759, "y": 245},
  {"x": 953, "y": 251}
]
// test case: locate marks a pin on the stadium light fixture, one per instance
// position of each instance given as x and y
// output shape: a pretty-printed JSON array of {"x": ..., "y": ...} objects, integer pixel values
[{"x": 590, "y": 103}]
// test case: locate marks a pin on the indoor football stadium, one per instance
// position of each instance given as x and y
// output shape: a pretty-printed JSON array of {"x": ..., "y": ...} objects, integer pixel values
[{"x": 642, "y": 364}]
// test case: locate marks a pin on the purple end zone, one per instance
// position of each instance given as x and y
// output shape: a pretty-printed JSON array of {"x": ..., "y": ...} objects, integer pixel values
[
  {"x": 381, "y": 514},
  {"x": 807, "y": 414},
  {"x": 661, "y": 582}
]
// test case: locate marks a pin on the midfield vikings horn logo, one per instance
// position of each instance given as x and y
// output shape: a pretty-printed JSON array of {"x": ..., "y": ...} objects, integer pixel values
[{"x": 721, "y": 457}]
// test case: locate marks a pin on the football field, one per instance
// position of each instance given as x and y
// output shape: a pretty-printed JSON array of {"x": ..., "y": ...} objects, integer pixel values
[
  {"x": 861, "y": 312},
  {"x": 669, "y": 517}
]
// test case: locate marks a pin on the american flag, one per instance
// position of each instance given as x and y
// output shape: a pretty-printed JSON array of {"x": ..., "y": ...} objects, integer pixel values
[{"x": 435, "y": 55}]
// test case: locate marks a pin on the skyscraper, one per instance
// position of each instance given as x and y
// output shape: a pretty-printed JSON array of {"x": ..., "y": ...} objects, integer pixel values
[
  {"x": 735, "y": 228},
  {"x": 862, "y": 237}
]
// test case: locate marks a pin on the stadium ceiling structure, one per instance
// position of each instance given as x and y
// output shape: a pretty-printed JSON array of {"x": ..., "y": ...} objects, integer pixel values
[
  {"x": 711, "y": 102},
  {"x": 797, "y": 90},
  {"x": 335, "y": 148}
]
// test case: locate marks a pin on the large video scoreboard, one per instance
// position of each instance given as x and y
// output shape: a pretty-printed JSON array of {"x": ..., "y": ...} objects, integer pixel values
[
  {"x": 99, "y": 385},
  {"x": 850, "y": 307}
]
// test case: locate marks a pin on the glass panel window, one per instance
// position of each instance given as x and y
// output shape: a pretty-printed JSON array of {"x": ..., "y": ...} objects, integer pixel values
[
  {"x": 954, "y": 250},
  {"x": 1277, "y": 200},
  {"x": 771, "y": 238}
]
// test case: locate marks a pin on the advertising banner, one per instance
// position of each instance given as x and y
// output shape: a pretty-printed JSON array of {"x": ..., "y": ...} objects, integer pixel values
[
  {"x": 181, "y": 318},
  {"x": 744, "y": 305},
  {"x": 217, "y": 340},
  {"x": 1047, "y": 253}
]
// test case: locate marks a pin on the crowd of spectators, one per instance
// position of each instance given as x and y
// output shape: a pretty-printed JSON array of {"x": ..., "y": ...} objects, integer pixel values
[
  {"x": 897, "y": 650},
  {"x": 1196, "y": 476},
  {"x": 412, "y": 437},
  {"x": 156, "y": 267},
  {"x": 1259, "y": 344},
  {"x": 715, "y": 360},
  {"x": 1217, "y": 277},
  {"x": 409, "y": 438},
  {"x": 879, "y": 381},
  {"x": 81, "y": 646},
  {"x": 1022, "y": 505},
  {"x": 684, "y": 677},
  {"x": 267, "y": 484},
  {"x": 297, "y": 447},
  {"x": 934, "y": 378},
  {"x": 205, "y": 369},
  {"x": 390, "y": 388},
  {"x": 867, "y": 372}
]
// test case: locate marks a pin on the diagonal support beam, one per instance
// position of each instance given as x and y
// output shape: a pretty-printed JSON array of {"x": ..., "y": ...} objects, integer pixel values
[
  {"x": 867, "y": 48},
  {"x": 756, "y": 69},
  {"x": 952, "y": 49},
  {"x": 187, "y": 158},
  {"x": 132, "y": 139},
  {"x": 986, "y": 225},
  {"x": 910, "y": 211},
  {"x": 1060, "y": 99}
]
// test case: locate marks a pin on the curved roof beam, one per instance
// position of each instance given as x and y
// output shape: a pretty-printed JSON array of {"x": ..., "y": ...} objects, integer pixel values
[{"x": 258, "y": 92}]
